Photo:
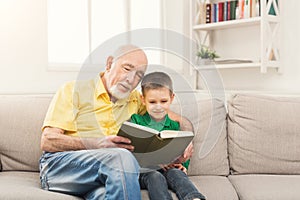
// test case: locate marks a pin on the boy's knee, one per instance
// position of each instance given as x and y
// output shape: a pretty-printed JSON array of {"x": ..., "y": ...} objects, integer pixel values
[
  {"x": 174, "y": 172},
  {"x": 155, "y": 176},
  {"x": 154, "y": 179}
]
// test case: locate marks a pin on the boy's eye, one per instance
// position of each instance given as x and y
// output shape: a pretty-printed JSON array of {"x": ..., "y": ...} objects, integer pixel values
[
  {"x": 152, "y": 102},
  {"x": 164, "y": 101}
]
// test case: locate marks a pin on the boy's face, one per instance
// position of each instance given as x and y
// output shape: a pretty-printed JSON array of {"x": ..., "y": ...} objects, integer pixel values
[{"x": 157, "y": 102}]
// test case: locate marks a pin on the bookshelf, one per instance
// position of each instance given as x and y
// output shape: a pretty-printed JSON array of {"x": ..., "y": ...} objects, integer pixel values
[
  {"x": 267, "y": 39},
  {"x": 228, "y": 24}
]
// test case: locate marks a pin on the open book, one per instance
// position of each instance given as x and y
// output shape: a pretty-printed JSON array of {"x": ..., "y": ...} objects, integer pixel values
[{"x": 152, "y": 147}]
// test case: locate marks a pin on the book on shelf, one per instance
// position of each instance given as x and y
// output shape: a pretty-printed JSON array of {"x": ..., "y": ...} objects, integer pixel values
[
  {"x": 228, "y": 10},
  {"x": 233, "y": 5},
  {"x": 202, "y": 13},
  {"x": 220, "y": 11},
  {"x": 151, "y": 147},
  {"x": 208, "y": 13},
  {"x": 231, "y": 10},
  {"x": 272, "y": 8}
]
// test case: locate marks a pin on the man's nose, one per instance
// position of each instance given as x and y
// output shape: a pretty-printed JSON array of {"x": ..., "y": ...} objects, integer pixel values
[{"x": 131, "y": 76}]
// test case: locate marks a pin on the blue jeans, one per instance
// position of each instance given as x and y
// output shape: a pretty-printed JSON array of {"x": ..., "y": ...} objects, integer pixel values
[
  {"x": 110, "y": 173},
  {"x": 158, "y": 182}
]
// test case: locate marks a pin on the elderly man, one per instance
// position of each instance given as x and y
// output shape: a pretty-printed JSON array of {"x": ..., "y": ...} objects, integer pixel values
[{"x": 82, "y": 154}]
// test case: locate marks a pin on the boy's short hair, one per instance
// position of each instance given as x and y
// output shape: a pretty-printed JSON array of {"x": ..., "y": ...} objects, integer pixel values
[{"x": 156, "y": 80}]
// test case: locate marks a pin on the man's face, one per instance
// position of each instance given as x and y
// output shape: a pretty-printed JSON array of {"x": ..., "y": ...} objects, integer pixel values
[
  {"x": 157, "y": 102},
  {"x": 126, "y": 73}
]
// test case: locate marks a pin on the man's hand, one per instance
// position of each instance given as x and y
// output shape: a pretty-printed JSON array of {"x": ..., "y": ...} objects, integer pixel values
[
  {"x": 112, "y": 141},
  {"x": 187, "y": 154}
]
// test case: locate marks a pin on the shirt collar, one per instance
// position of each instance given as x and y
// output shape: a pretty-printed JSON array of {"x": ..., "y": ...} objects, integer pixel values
[
  {"x": 149, "y": 121},
  {"x": 100, "y": 89}
]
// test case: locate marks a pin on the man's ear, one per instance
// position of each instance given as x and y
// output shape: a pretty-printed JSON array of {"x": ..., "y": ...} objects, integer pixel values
[
  {"x": 143, "y": 99},
  {"x": 109, "y": 62}
]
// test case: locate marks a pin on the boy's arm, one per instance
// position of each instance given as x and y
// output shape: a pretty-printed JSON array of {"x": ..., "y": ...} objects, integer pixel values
[{"x": 185, "y": 125}]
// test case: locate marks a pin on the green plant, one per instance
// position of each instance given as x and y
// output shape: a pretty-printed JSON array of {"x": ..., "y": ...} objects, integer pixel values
[{"x": 205, "y": 52}]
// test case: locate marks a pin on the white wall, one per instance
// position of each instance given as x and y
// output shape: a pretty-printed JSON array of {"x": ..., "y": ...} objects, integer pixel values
[
  {"x": 289, "y": 80},
  {"x": 23, "y": 50}
]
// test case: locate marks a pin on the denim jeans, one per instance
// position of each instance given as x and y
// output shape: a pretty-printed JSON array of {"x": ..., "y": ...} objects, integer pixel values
[
  {"x": 110, "y": 173},
  {"x": 158, "y": 182}
]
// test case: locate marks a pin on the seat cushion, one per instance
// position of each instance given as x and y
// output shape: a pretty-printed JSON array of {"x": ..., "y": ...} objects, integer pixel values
[
  {"x": 264, "y": 134},
  {"x": 262, "y": 187},
  {"x": 26, "y": 185},
  {"x": 212, "y": 187},
  {"x": 215, "y": 187},
  {"x": 21, "y": 120}
]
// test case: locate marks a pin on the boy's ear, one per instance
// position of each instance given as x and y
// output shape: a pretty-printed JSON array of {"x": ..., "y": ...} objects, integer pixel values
[
  {"x": 109, "y": 62},
  {"x": 172, "y": 97}
]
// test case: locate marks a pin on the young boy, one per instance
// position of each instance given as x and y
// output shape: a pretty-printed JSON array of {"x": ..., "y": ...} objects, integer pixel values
[{"x": 157, "y": 96}]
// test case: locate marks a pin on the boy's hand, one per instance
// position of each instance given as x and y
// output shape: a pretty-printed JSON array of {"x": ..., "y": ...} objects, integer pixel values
[
  {"x": 175, "y": 165},
  {"x": 187, "y": 154}
]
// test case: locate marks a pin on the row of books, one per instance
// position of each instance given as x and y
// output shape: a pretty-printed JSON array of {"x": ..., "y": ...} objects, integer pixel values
[{"x": 228, "y": 10}]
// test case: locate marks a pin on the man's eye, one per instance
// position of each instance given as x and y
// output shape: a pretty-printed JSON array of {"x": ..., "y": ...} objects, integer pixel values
[{"x": 126, "y": 68}]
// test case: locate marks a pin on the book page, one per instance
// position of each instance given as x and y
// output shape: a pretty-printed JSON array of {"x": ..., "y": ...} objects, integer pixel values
[{"x": 173, "y": 134}]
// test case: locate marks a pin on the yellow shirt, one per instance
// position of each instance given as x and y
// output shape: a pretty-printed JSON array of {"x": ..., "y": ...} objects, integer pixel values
[{"x": 84, "y": 109}]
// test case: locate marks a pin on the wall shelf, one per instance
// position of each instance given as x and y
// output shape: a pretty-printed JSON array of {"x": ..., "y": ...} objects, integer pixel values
[
  {"x": 268, "y": 25},
  {"x": 228, "y": 24}
]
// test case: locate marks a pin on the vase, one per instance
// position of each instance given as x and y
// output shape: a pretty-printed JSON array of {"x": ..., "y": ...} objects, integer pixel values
[{"x": 204, "y": 61}]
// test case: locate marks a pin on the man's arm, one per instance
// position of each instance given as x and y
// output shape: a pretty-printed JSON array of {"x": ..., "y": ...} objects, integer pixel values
[{"x": 54, "y": 140}]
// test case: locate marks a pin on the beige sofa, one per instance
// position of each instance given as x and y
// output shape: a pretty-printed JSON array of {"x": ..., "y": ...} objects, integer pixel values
[{"x": 249, "y": 150}]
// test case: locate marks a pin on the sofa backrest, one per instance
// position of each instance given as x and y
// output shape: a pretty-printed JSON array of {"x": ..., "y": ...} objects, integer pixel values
[
  {"x": 264, "y": 134},
  {"x": 22, "y": 117},
  {"x": 21, "y": 120},
  {"x": 208, "y": 117}
]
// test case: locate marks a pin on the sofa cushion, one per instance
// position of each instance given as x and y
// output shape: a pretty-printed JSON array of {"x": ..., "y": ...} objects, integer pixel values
[
  {"x": 21, "y": 120},
  {"x": 264, "y": 134},
  {"x": 215, "y": 187},
  {"x": 262, "y": 187},
  {"x": 26, "y": 185},
  {"x": 210, "y": 143},
  {"x": 145, "y": 194}
]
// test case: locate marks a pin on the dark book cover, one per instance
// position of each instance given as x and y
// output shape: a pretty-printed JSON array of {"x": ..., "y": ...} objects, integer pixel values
[
  {"x": 221, "y": 11},
  {"x": 208, "y": 13},
  {"x": 152, "y": 147}
]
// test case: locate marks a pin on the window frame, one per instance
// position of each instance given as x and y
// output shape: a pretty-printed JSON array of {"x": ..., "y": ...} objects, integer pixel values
[{"x": 75, "y": 67}]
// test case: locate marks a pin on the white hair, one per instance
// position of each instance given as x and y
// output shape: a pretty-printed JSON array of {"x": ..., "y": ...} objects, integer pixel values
[{"x": 125, "y": 49}]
